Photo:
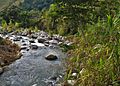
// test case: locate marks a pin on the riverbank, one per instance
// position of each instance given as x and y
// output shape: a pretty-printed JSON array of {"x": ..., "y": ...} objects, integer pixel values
[{"x": 9, "y": 52}]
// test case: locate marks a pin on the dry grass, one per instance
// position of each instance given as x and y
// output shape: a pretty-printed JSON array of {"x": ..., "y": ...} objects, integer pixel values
[{"x": 9, "y": 51}]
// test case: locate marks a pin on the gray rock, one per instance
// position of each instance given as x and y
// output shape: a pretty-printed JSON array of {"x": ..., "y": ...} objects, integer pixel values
[
  {"x": 43, "y": 34},
  {"x": 34, "y": 36},
  {"x": 53, "y": 78},
  {"x": 23, "y": 47},
  {"x": 58, "y": 38},
  {"x": 51, "y": 57},
  {"x": 22, "y": 40},
  {"x": 47, "y": 42},
  {"x": 53, "y": 42},
  {"x": 16, "y": 39},
  {"x": 41, "y": 40},
  {"x": 24, "y": 34},
  {"x": 24, "y": 44},
  {"x": 34, "y": 47},
  {"x": 31, "y": 41},
  {"x": 49, "y": 38}
]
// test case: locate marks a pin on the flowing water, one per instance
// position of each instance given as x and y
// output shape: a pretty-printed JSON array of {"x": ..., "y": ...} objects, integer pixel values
[{"x": 32, "y": 69}]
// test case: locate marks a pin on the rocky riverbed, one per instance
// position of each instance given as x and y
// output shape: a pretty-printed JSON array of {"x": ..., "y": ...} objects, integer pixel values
[{"x": 41, "y": 63}]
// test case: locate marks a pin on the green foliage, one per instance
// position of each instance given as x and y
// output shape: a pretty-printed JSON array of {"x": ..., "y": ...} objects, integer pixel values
[
  {"x": 4, "y": 24},
  {"x": 97, "y": 62},
  {"x": 77, "y": 13},
  {"x": 25, "y": 12}
]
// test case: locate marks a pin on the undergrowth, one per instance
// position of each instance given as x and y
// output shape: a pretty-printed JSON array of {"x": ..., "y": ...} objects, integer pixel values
[{"x": 96, "y": 55}]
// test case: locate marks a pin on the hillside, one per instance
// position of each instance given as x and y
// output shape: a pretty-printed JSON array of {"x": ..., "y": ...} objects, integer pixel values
[
  {"x": 25, "y": 4},
  {"x": 35, "y": 4},
  {"x": 26, "y": 12},
  {"x": 5, "y": 3}
]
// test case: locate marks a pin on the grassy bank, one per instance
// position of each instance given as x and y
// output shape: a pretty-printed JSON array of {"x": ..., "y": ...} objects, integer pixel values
[{"x": 96, "y": 55}]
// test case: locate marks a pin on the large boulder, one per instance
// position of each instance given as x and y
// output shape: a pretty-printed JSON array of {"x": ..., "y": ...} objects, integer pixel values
[{"x": 51, "y": 57}]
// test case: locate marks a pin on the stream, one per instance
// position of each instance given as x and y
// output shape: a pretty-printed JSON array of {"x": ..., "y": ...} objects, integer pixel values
[{"x": 32, "y": 69}]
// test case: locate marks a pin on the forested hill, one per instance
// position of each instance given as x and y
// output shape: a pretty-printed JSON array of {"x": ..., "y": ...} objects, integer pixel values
[
  {"x": 35, "y": 4},
  {"x": 4, "y": 3},
  {"x": 25, "y": 12},
  {"x": 25, "y": 4}
]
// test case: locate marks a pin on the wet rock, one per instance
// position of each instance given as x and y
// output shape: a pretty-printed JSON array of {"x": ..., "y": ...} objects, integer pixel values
[
  {"x": 16, "y": 39},
  {"x": 51, "y": 57},
  {"x": 33, "y": 36},
  {"x": 24, "y": 44},
  {"x": 60, "y": 43},
  {"x": 47, "y": 42},
  {"x": 13, "y": 33},
  {"x": 41, "y": 40},
  {"x": 49, "y": 38},
  {"x": 53, "y": 78},
  {"x": 43, "y": 34},
  {"x": 23, "y": 47},
  {"x": 38, "y": 44},
  {"x": 51, "y": 46},
  {"x": 53, "y": 42},
  {"x": 31, "y": 41},
  {"x": 22, "y": 40},
  {"x": 34, "y": 85},
  {"x": 34, "y": 47},
  {"x": 70, "y": 43},
  {"x": 58, "y": 38},
  {"x": 1, "y": 70},
  {"x": 24, "y": 34}
]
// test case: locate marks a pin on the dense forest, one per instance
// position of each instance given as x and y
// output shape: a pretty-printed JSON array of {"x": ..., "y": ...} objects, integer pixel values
[{"x": 92, "y": 25}]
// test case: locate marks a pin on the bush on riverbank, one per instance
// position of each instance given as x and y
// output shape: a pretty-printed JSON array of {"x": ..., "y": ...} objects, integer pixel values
[{"x": 9, "y": 51}]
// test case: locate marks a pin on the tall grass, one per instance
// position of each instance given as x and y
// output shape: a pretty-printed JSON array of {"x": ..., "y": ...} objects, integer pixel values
[{"x": 97, "y": 62}]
